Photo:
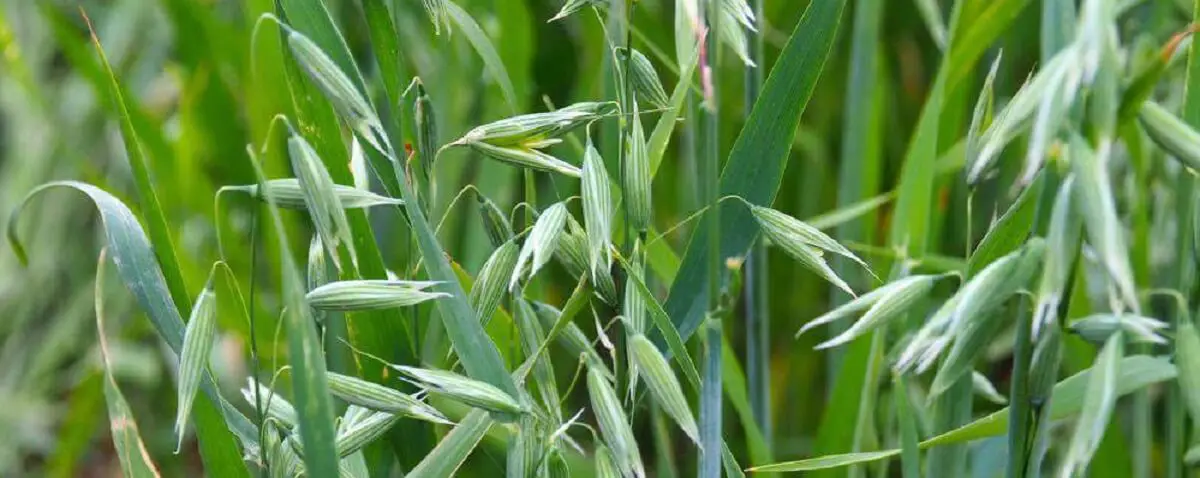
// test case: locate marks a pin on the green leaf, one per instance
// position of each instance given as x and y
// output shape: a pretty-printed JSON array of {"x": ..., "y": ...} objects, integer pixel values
[
  {"x": 136, "y": 265},
  {"x": 487, "y": 52},
  {"x": 828, "y": 461},
  {"x": 450, "y": 453},
  {"x": 905, "y": 413},
  {"x": 310, "y": 386},
  {"x": 1134, "y": 372},
  {"x": 755, "y": 167},
  {"x": 160, "y": 236},
  {"x": 1010, "y": 231},
  {"x": 131, "y": 451}
]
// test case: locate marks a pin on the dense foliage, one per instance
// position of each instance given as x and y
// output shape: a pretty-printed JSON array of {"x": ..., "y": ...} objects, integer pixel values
[{"x": 599, "y": 238}]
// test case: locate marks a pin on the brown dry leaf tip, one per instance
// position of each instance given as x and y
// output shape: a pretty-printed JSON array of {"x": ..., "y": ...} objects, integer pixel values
[{"x": 1169, "y": 48}]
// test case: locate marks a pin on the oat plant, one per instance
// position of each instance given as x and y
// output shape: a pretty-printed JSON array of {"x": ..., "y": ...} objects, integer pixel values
[{"x": 620, "y": 238}]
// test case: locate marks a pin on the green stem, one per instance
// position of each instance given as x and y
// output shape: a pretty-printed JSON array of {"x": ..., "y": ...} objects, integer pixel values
[
  {"x": 710, "y": 407},
  {"x": 1020, "y": 429},
  {"x": 755, "y": 296}
]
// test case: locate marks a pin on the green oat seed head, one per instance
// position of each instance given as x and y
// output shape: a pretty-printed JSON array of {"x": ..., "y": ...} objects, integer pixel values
[
  {"x": 597, "y": 210},
  {"x": 324, "y": 208},
  {"x": 466, "y": 390},
  {"x": 198, "y": 341},
  {"x": 287, "y": 193},
  {"x": 663, "y": 384},
  {"x": 1096, "y": 328},
  {"x": 379, "y": 398},
  {"x": 614, "y": 425},
  {"x": 492, "y": 281},
  {"x": 371, "y": 294},
  {"x": 540, "y": 243},
  {"x": 804, "y": 243}
]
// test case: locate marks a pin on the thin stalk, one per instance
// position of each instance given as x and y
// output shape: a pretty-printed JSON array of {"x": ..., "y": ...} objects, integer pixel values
[
  {"x": 623, "y": 120},
  {"x": 710, "y": 407},
  {"x": 868, "y": 395},
  {"x": 258, "y": 405},
  {"x": 1185, "y": 276},
  {"x": 863, "y": 425},
  {"x": 1020, "y": 430},
  {"x": 530, "y": 180},
  {"x": 755, "y": 296},
  {"x": 625, "y": 100}
]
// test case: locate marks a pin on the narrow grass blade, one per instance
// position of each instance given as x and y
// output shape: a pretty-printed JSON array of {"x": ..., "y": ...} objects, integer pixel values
[
  {"x": 484, "y": 47},
  {"x": 309, "y": 384},
  {"x": 218, "y": 448},
  {"x": 659, "y": 138},
  {"x": 1187, "y": 358},
  {"x": 159, "y": 234},
  {"x": 756, "y": 163},
  {"x": 932, "y": 16},
  {"x": 131, "y": 451},
  {"x": 449, "y": 454},
  {"x": 910, "y": 454},
  {"x": 826, "y": 462},
  {"x": 1009, "y": 232},
  {"x": 734, "y": 381}
]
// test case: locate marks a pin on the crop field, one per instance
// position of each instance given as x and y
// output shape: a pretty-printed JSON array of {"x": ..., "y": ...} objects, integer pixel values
[{"x": 600, "y": 238}]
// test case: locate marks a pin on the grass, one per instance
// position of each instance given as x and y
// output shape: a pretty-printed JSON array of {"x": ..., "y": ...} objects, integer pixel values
[{"x": 988, "y": 189}]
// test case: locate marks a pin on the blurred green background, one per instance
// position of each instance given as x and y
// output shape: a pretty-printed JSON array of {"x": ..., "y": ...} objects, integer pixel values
[{"x": 205, "y": 91}]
